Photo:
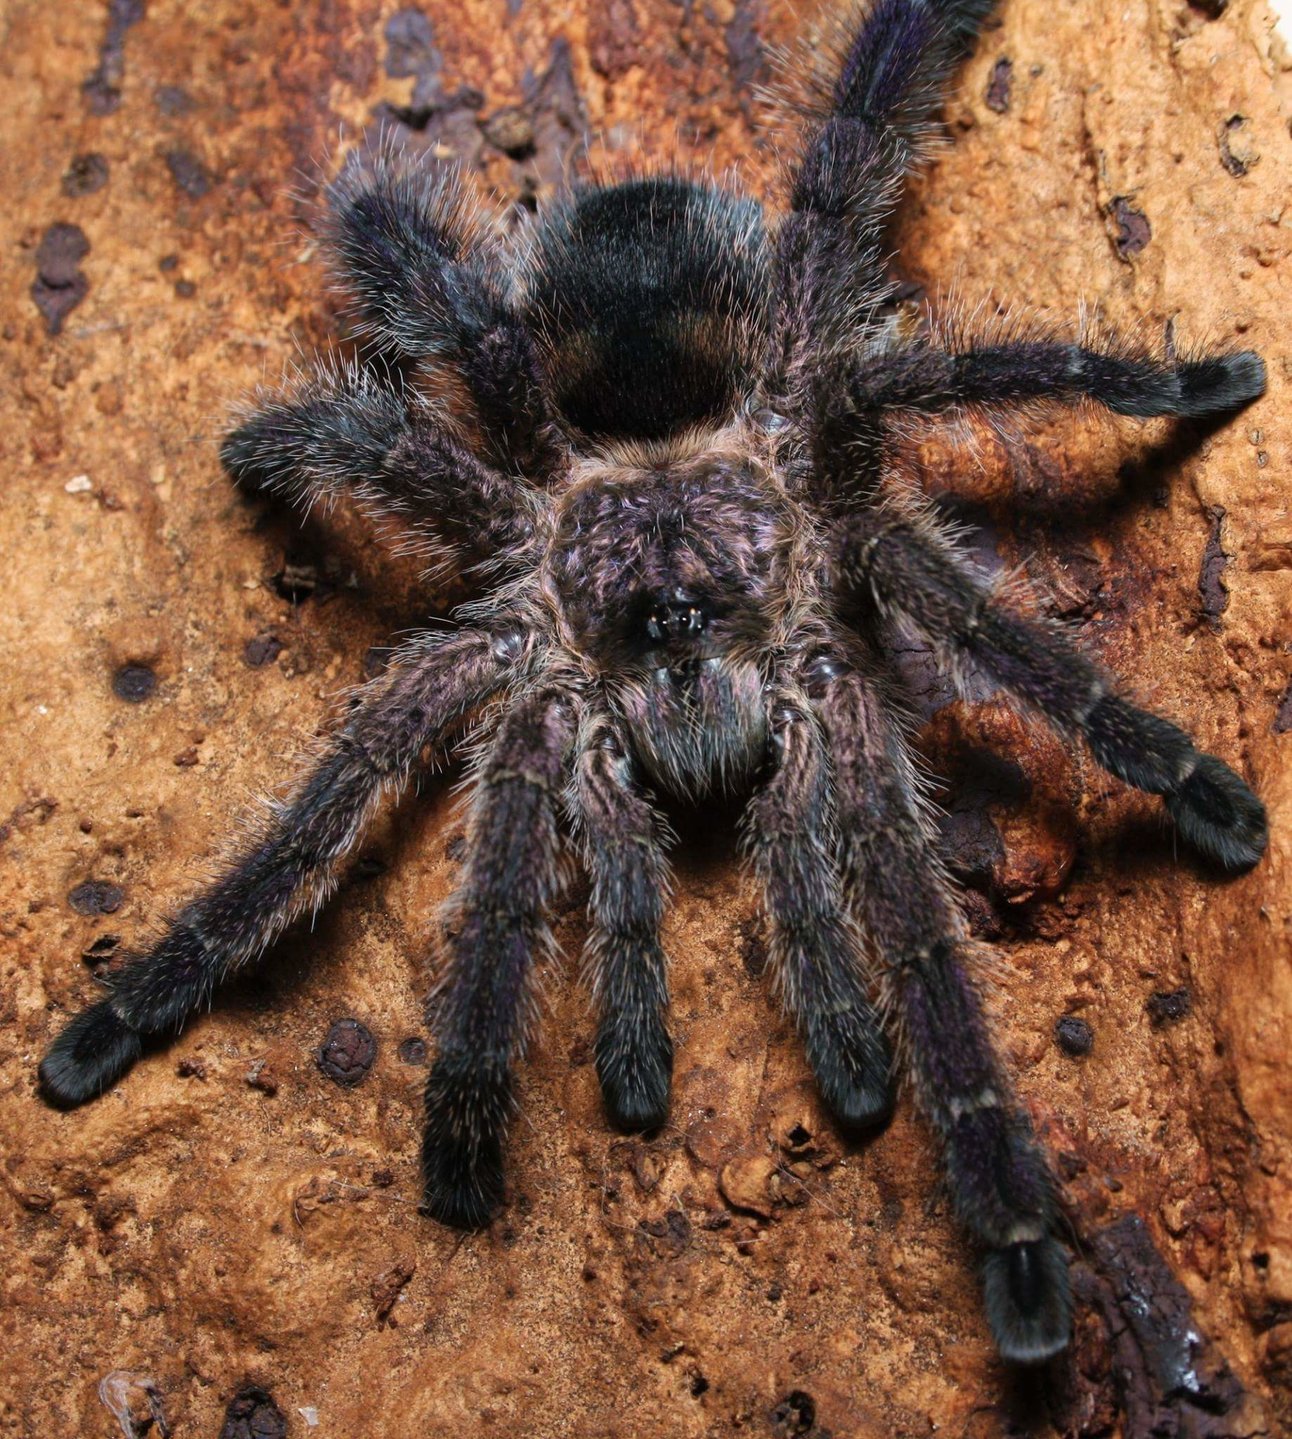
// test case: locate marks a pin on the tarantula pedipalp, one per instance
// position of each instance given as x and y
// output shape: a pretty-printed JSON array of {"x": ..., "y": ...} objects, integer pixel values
[{"x": 679, "y": 490}]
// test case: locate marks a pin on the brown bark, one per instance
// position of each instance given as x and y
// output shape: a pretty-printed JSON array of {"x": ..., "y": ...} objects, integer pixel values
[{"x": 228, "y": 1218}]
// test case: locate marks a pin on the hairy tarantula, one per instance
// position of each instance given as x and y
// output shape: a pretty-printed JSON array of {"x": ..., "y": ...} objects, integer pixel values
[{"x": 680, "y": 492}]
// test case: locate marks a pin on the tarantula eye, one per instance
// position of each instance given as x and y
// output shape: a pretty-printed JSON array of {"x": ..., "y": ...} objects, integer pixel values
[{"x": 683, "y": 617}]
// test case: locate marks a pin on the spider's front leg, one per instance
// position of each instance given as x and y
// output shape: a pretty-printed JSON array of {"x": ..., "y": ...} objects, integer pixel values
[
  {"x": 408, "y": 242},
  {"x": 913, "y": 570},
  {"x": 292, "y": 863},
  {"x": 624, "y": 853},
  {"x": 1000, "y": 1184},
  {"x": 815, "y": 951},
  {"x": 480, "y": 1007},
  {"x": 352, "y": 430}
]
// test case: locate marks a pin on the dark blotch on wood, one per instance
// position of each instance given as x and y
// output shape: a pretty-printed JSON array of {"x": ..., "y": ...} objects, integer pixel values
[
  {"x": 1139, "y": 1363},
  {"x": 96, "y": 896},
  {"x": 411, "y": 52},
  {"x": 134, "y": 683},
  {"x": 795, "y": 1415},
  {"x": 253, "y": 1414},
  {"x": 172, "y": 100},
  {"x": 511, "y": 131},
  {"x": 1283, "y": 715},
  {"x": 189, "y": 173},
  {"x": 1133, "y": 229},
  {"x": 85, "y": 175},
  {"x": 1074, "y": 1036},
  {"x": 613, "y": 38},
  {"x": 101, "y": 952},
  {"x": 1000, "y": 85},
  {"x": 1168, "y": 1007},
  {"x": 348, "y": 1052},
  {"x": 556, "y": 108},
  {"x": 412, "y": 1050},
  {"x": 261, "y": 650},
  {"x": 1237, "y": 153},
  {"x": 102, "y": 88},
  {"x": 60, "y": 283},
  {"x": 297, "y": 580},
  {"x": 745, "y": 57},
  {"x": 753, "y": 948},
  {"x": 410, "y": 45},
  {"x": 1211, "y": 582}
]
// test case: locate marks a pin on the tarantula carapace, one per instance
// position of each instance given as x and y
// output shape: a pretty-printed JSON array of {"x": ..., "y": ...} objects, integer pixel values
[{"x": 679, "y": 489}]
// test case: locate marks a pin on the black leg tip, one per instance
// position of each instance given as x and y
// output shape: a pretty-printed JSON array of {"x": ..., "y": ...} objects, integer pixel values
[
  {"x": 91, "y": 1053},
  {"x": 1028, "y": 1299},
  {"x": 636, "y": 1072},
  {"x": 1219, "y": 816},
  {"x": 462, "y": 1182},
  {"x": 1221, "y": 383},
  {"x": 467, "y": 1106},
  {"x": 242, "y": 453},
  {"x": 853, "y": 1069}
]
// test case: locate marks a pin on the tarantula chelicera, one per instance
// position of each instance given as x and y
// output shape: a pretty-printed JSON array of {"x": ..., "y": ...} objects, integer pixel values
[{"x": 679, "y": 489}]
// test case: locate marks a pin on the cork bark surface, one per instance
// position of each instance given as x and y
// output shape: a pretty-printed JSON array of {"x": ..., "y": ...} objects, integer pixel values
[{"x": 228, "y": 1242}]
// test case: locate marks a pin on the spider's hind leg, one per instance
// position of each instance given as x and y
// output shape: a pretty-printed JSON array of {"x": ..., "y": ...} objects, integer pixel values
[
  {"x": 291, "y": 863},
  {"x": 999, "y": 1181},
  {"x": 998, "y": 375},
  {"x": 913, "y": 569}
]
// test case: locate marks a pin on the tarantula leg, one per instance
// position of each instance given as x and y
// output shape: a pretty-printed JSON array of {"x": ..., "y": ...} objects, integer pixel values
[
  {"x": 931, "y": 381},
  {"x": 351, "y": 430},
  {"x": 428, "y": 283},
  {"x": 290, "y": 866},
  {"x": 999, "y": 1181},
  {"x": 623, "y": 850},
  {"x": 910, "y": 567},
  {"x": 478, "y": 1011},
  {"x": 815, "y": 951},
  {"x": 891, "y": 70}
]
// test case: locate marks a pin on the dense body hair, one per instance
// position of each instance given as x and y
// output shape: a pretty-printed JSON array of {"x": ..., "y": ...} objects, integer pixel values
[{"x": 680, "y": 487}]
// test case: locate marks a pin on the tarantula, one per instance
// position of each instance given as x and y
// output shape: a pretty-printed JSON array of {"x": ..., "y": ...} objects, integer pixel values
[{"x": 680, "y": 488}]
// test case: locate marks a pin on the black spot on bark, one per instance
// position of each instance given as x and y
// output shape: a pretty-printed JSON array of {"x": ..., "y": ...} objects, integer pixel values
[
  {"x": 1168, "y": 1007},
  {"x": 100, "y": 953},
  {"x": 188, "y": 173},
  {"x": 85, "y": 175},
  {"x": 134, "y": 683},
  {"x": 1000, "y": 85},
  {"x": 745, "y": 56},
  {"x": 172, "y": 100},
  {"x": 412, "y": 1050},
  {"x": 96, "y": 896},
  {"x": 554, "y": 103},
  {"x": 253, "y": 1414},
  {"x": 102, "y": 88},
  {"x": 795, "y": 1415},
  {"x": 1211, "y": 578},
  {"x": 348, "y": 1052},
  {"x": 261, "y": 650},
  {"x": 1283, "y": 715},
  {"x": 1133, "y": 230},
  {"x": 1075, "y": 1037},
  {"x": 1151, "y": 1370},
  {"x": 60, "y": 283}
]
